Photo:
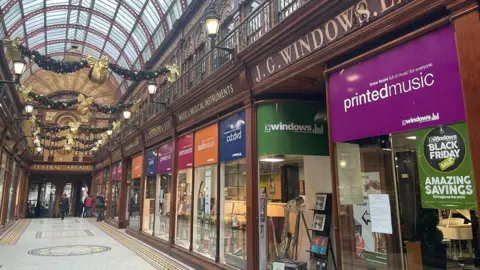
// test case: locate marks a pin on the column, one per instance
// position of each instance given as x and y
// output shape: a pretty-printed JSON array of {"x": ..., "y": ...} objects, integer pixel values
[
  {"x": 466, "y": 22},
  {"x": 122, "y": 218},
  {"x": 252, "y": 187}
]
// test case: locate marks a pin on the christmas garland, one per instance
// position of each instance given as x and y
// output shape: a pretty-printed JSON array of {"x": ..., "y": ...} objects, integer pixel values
[
  {"x": 51, "y": 147},
  {"x": 86, "y": 141},
  {"x": 80, "y": 149},
  {"x": 55, "y": 104},
  {"x": 48, "y": 63},
  {"x": 51, "y": 103},
  {"x": 51, "y": 138},
  {"x": 62, "y": 138},
  {"x": 57, "y": 128},
  {"x": 56, "y": 147},
  {"x": 57, "y": 66}
]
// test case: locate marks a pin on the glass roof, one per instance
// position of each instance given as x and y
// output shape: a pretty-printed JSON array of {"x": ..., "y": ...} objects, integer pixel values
[{"x": 127, "y": 31}]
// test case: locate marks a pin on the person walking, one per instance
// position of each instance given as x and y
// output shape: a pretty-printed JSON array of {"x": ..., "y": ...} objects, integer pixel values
[
  {"x": 64, "y": 204},
  {"x": 88, "y": 206},
  {"x": 99, "y": 203}
]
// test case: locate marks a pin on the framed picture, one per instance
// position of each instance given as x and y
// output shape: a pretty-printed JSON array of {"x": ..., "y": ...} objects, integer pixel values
[
  {"x": 319, "y": 245},
  {"x": 320, "y": 201},
  {"x": 319, "y": 222},
  {"x": 272, "y": 185}
]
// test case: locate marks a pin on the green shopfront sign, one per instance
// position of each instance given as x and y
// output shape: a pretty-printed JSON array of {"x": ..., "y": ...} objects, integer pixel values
[
  {"x": 289, "y": 129},
  {"x": 445, "y": 167}
]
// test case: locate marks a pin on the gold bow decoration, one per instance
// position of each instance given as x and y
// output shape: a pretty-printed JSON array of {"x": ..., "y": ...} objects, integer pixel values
[
  {"x": 98, "y": 73},
  {"x": 104, "y": 137},
  {"x": 173, "y": 73},
  {"x": 84, "y": 104},
  {"x": 67, "y": 148},
  {"x": 74, "y": 126},
  {"x": 135, "y": 106},
  {"x": 36, "y": 131},
  {"x": 24, "y": 92},
  {"x": 70, "y": 140},
  {"x": 13, "y": 52},
  {"x": 33, "y": 120},
  {"x": 116, "y": 126}
]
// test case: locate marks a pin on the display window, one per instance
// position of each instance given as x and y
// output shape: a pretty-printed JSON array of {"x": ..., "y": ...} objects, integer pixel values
[
  {"x": 106, "y": 188},
  {"x": 205, "y": 192},
  {"x": 150, "y": 190},
  {"x": 183, "y": 219},
  {"x": 2, "y": 179},
  {"x": 233, "y": 191},
  {"x": 163, "y": 194},
  {"x": 116, "y": 189},
  {"x": 294, "y": 173},
  {"x": 134, "y": 193},
  {"x": 13, "y": 187},
  {"x": 406, "y": 190}
]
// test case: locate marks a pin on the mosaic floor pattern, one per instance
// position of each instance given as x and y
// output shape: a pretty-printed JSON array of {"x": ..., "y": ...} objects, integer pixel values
[{"x": 150, "y": 255}]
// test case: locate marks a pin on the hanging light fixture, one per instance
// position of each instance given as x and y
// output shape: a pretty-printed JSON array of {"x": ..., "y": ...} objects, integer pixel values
[
  {"x": 127, "y": 114},
  {"x": 73, "y": 54},
  {"x": 39, "y": 149},
  {"x": 19, "y": 67},
  {"x": 109, "y": 132},
  {"x": 28, "y": 108},
  {"x": 99, "y": 141},
  {"x": 36, "y": 141},
  {"x": 152, "y": 87},
  {"x": 212, "y": 22}
]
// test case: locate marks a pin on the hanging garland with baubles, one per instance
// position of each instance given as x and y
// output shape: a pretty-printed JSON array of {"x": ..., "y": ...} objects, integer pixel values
[
  {"x": 99, "y": 67},
  {"x": 73, "y": 126},
  {"x": 84, "y": 103}
]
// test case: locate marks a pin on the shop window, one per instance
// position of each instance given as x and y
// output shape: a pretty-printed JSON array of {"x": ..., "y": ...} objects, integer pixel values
[
  {"x": 290, "y": 184},
  {"x": 2, "y": 182},
  {"x": 233, "y": 209},
  {"x": 13, "y": 186},
  {"x": 204, "y": 216},
  {"x": 134, "y": 203},
  {"x": 129, "y": 187},
  {"x": 184, "y": 208},
  {"x": 162, "y": 201},
  {"x": 149, "y": 204},
  {"x": 115, "y": 205}
]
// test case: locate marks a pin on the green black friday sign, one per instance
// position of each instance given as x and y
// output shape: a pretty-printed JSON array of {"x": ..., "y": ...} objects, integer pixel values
[{"x": 445, "y": 167}]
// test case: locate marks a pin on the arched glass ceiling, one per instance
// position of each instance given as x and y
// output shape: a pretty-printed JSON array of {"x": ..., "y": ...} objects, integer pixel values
[{"x": 127, "y": 31}]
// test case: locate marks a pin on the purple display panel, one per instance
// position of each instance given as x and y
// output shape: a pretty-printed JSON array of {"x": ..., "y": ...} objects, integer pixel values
[
  {"x": 119, "y": 171},
  {"x": 114, "y": 172},
  {"x": 185, "y": 152},
  {"x": 414, "y": 85},
  {"x": 164, "y": 155}
]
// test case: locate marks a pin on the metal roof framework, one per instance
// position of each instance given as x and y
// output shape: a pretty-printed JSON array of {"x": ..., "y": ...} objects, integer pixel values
[{"x": 126, "y": 31}]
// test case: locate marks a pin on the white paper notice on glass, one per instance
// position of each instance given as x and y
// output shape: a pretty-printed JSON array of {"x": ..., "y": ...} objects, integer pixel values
[{"x": 380, "y": 214}]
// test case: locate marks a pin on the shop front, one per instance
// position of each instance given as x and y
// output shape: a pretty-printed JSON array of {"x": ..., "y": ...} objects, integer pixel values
[
  {"x": 133, "y": 192},
  {"x": 163, "y": 192},
  {"x": 114, "y": 209},
  {"x": 294, "y": 174},
  {"x": 404, "y": 177},
  {"x": 148, "y": 211},
  {"x": 233, "y": 191},
  {"x": 205, "y": 195},
  {"x": 183, "y": 218}
]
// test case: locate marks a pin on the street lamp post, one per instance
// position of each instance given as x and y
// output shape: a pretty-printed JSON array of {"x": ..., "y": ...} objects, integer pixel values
[{"x": 212, "y": 23}]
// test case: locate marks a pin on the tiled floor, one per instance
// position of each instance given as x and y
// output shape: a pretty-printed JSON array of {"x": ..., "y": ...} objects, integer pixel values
[{"x": 76, "y": 243}]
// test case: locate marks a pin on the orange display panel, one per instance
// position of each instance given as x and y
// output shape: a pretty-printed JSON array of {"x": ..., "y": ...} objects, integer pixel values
[
  {"x": 206, "y": 146},
  {"x": 137, "y": 167}
]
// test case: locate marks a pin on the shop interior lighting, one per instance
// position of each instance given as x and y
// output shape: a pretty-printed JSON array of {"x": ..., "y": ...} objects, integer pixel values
[
  {"x": 411, "y": 137},
  {"x": 273, "y": 159}
]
